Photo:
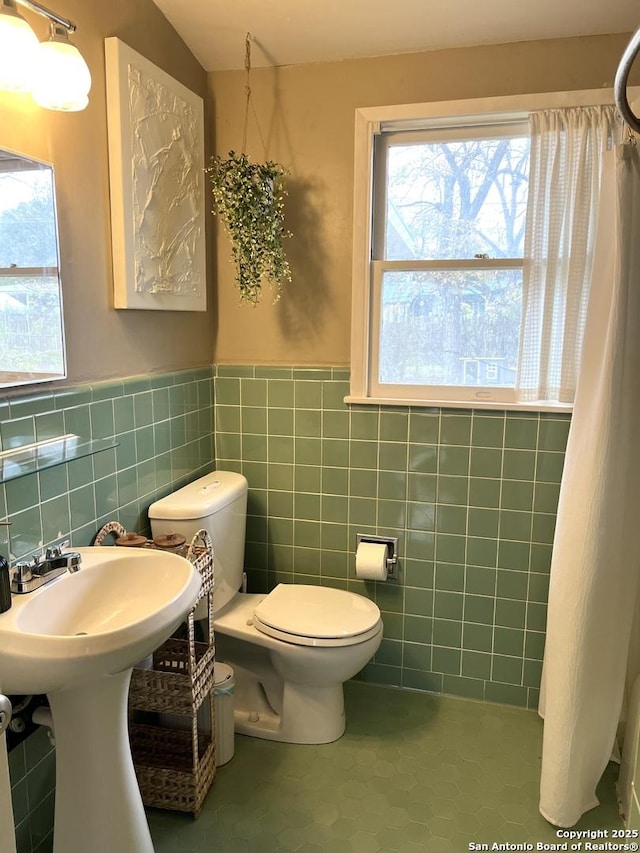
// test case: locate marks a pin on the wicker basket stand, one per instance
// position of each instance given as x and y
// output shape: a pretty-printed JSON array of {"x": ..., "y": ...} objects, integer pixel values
[{"x": 171, "y": 705}]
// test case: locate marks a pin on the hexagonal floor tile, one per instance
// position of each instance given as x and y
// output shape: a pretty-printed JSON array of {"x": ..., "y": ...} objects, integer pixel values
[{"x": 414, "y": 773}]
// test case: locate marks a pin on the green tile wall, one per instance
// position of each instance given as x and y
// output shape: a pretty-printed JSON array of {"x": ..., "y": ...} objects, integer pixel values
[
  {"x": 163, "y": 426},
  {"x": 471, "y": 496},
  {"x": 32, "y": 769},
  {"x": 163, "y": 429}
]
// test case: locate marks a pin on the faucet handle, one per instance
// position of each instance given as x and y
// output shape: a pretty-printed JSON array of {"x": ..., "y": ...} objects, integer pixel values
[
  {"x": 23, "y": 572},
  {"x": 55, "y": 551}
]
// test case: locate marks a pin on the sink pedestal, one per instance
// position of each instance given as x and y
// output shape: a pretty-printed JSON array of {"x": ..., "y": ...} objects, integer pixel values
[{"x": 98, "y": 803}]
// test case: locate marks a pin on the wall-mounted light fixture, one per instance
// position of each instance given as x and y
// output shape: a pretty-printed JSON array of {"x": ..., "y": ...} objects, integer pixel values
[{"x": 54, "y": 71}]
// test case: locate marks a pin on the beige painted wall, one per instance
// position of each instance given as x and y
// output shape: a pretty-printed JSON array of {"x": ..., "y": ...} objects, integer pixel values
[
  {"x": 306, "y": 116},
  {"x": 103, "y": 342}
]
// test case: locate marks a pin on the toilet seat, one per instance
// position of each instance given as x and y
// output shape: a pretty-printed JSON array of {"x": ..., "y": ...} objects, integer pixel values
[{"x": 317, "y": 616}]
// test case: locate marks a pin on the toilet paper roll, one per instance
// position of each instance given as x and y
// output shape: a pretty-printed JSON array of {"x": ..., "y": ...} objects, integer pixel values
[{"x": 371, "y": 561}]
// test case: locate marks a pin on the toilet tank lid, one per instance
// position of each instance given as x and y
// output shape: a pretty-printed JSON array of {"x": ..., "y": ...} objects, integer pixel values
[{"x": 201, "y": 498}]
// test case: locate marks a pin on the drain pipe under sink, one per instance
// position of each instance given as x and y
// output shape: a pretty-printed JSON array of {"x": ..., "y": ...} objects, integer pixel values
[{"x": 42, "y": 717}]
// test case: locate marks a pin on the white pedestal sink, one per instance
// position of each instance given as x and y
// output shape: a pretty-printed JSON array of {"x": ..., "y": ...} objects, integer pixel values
[{"x": 76, "y": 639}]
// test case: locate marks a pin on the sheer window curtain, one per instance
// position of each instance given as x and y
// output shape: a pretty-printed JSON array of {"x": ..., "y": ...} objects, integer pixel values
[{"x": 567, "y": 146}]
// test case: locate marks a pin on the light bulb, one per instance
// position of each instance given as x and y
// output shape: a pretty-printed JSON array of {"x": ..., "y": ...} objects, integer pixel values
[
  {"x": 62, "y": 79},
  {"x": 18, "y": 48}
]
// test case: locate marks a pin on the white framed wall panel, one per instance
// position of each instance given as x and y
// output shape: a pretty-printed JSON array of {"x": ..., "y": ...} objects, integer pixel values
[{"x": 156, "y": 175}]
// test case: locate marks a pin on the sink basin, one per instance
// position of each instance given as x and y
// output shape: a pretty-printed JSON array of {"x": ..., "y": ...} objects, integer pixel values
[
  {"x": 101, "y": 620},
  {"x": 76, "y": 639}
]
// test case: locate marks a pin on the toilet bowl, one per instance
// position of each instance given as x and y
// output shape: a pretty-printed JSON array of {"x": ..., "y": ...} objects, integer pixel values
[
  {"x": 291, "y": 649},
  {"x": 291, "y": 657}
]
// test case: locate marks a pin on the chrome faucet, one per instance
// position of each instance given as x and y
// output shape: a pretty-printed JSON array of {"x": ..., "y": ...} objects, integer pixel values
[{"x": 43, "y": 569}]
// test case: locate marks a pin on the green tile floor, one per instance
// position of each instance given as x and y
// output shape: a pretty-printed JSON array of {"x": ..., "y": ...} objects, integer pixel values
[{"x": 415, "y": 773}]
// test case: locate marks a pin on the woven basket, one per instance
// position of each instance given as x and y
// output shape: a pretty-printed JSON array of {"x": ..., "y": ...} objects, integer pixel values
[
  {"x": 174, "y": 684},
  {"x": 175, "y": 766},
  {"x": 182, "y": 672},
  {"x": 164, "y": 765}
]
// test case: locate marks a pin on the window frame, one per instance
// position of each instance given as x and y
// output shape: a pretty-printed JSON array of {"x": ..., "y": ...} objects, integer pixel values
[
  {"x": 383, "y": 142},
  {"x": 370, "y": 122}
]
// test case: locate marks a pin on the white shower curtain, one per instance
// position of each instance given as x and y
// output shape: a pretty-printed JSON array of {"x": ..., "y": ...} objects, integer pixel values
[{"x": 596, "y": 555}]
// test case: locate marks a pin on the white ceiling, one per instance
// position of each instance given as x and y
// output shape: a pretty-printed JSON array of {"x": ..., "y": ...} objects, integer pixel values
[{"x": 286, "y": 32}]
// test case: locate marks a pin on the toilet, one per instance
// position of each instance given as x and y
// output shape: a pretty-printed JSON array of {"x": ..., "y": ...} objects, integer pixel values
[{"x": 291, "y": 649}]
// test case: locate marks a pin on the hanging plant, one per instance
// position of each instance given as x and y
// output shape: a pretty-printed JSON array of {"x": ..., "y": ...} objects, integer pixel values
[{"x": 249, "y": 199}]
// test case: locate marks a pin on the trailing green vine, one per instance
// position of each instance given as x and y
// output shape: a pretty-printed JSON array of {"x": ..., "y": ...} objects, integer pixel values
[{"x": 249, "y": 199}]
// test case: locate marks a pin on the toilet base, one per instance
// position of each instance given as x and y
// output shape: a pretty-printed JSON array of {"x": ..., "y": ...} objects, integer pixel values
[{"x": 310, "y": 715}]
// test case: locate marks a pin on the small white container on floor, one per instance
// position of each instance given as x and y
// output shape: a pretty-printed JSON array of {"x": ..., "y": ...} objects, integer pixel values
[{"x": 223, "y": 690}]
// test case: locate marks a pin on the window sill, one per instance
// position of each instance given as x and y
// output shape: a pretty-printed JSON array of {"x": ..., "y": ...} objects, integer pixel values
[{"x": 494, "y": 405}]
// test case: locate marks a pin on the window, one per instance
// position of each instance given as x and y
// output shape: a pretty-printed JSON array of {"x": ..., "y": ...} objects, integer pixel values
[
  {"x": 441, "y": 199},
  {"x": 449, "y": 211},
  {"x": 31, "y": 336}
]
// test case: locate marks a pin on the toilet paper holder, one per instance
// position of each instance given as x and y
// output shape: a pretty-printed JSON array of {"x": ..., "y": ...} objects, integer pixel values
[{"x": 392, "y": 550}]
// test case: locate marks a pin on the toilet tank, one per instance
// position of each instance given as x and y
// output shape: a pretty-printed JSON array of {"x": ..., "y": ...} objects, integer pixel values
[{"x": 216, "y": 502}]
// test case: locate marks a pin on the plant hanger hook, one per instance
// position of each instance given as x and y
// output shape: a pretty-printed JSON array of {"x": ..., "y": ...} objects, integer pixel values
[{"x": 248, "y": 100}]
